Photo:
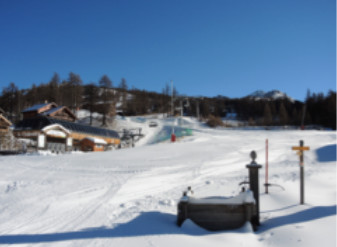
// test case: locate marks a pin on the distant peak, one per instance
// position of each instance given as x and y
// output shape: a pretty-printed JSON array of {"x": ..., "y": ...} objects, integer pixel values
[
  {"x": 271, "y": 95},
  {"x": 258, "y": 93}
]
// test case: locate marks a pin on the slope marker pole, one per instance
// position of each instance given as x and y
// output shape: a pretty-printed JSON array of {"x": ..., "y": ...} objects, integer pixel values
[{"x": 266, "y": 178}]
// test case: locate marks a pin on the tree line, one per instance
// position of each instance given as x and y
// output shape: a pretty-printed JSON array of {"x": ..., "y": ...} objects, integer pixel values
[
  {"x": 108, "y": 99},
  {"x": 102, "y": 97}
]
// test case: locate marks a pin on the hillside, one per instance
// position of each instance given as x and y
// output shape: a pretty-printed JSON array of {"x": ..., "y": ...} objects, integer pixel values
[{"x": 273, "y": 108}]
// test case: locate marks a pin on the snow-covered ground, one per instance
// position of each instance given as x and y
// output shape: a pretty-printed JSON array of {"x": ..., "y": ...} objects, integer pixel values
[{"x": 129, "y": 197}]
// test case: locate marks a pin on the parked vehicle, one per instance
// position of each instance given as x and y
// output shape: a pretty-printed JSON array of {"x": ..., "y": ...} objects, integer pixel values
[{"x": 153, "y": 124}]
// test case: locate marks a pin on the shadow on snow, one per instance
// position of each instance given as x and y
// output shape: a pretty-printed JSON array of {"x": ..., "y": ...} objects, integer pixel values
[
  {"x": 156, "y": 223},
  {"x": 326, "y": 153},
  {"x": 298, "y": 217},
  {"x": 147, "y": 223}
]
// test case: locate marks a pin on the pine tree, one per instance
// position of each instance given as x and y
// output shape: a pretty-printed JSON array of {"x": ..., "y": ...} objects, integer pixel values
[
  {"x": 123, "y": 86},
  {"x": 53, "y": 94},
  {"x": 10, "y": 97},
  {"x": 91, "y": 98},
  {"x": 76, "y": 90},
  {"x": 267, "y": 116},
  {"x": 295, "y": 117},
  {"x": 165, "y": 99},
  {"x": 283, "y": 115},
  {"x": 31, "y": 96},
  {"x": 65, "y": 93},
  {"x": 107, "y": 97},
  {"x": 331, "y": 110}
]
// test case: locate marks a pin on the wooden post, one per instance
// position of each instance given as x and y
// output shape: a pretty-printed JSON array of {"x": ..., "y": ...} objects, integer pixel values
[
  {"x": 300, "y": 150},
  {"x": 301, "y": 174}
]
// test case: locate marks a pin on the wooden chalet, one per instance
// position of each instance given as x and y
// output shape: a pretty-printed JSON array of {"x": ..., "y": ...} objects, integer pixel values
[
  {"x": 53, "y": 128},
  {"x": 49, "y": 110}
]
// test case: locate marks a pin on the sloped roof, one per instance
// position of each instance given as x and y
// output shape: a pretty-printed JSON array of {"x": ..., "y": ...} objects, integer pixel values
[
  {"x": 53, "y": 111},
  {"x": 37, "y": 107},
  {"x": 55, "y": 126},
  {"x": 38, "y": 123}
]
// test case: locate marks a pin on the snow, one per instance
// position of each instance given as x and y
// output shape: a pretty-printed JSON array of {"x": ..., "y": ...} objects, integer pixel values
[
  {"x": 96, "y": 140},
  {"x": 52, "y": 110},
  {"x": 52, "y": 130},
  {"x": 129, "y": 197},
  {"x": 241, "y": 198},
  {"x": 35, "y": 107}
]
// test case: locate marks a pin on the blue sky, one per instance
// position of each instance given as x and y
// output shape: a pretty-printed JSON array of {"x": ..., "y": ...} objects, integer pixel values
[{"x": 207, "y": 47}]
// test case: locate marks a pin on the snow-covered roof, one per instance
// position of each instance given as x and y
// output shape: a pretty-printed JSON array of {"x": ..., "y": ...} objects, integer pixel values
[
  {"x": 52, "y": 110},
  {"x": 55, "y": 126},
  {"x": 44, "y": 121},
  {"x": 35, "y": 107}
]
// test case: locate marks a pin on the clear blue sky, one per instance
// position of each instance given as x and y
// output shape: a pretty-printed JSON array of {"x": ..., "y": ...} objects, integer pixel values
[{"x": 207, "y": 47}]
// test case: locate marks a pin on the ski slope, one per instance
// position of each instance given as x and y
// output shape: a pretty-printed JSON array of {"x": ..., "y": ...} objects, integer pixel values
[{"x": 129, "y": 197}]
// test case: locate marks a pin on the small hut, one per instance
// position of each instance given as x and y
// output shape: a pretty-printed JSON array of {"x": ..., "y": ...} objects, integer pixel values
[{"x": 93, "y": 144}]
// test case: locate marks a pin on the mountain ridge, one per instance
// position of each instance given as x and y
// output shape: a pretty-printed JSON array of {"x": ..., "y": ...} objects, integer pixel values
[{"x": 270, "y": 95}]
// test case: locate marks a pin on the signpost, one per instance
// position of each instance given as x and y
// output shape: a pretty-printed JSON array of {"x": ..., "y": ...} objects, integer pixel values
[{"x": 300, "y": 149}]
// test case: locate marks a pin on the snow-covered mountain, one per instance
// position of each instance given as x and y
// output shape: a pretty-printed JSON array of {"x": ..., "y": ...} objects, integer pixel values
[{"x": 271, "y": 95}]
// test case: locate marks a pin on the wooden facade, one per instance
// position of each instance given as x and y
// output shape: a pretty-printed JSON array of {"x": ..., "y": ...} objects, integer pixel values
[
  {"x": 93, "y": 144},
  {"x": 110, "y": 141},
  {"x": 4, "y": 124}
]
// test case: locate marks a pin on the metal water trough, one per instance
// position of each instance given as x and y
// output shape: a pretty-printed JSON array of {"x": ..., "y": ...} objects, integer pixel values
[{"x": 217, "y": 213}]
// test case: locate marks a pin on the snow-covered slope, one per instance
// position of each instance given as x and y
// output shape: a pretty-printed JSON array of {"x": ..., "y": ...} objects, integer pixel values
[{"x": 128, "y": 197}]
